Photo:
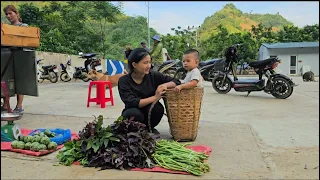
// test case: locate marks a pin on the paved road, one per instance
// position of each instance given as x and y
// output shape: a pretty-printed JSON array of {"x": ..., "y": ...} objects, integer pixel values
[{"x": 251, "y": 137}]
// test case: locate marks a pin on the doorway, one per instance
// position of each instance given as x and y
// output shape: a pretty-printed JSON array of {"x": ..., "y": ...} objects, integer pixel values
[{"x": 293, "y": 65}]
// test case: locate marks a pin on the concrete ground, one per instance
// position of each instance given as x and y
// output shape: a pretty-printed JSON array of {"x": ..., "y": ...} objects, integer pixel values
[{"x": 255, "y": 137}]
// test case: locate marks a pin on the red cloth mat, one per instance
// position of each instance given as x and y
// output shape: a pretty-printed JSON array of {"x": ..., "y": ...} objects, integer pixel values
[
  {"x": 202, "y": 149},
  {"x": 6, "y": 146}
]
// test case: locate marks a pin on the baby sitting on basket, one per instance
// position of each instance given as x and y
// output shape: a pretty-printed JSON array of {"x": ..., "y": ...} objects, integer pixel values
[{"x": 193, "y": 78}]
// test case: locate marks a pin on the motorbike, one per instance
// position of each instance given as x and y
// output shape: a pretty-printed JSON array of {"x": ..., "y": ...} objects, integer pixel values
[
  {"x": 67, "y": 71},
  {"x": 81, "y": 73},
  {"x": 278, "y": 85},
  {"x": 205, "y": 67},
  {"x": 92, "y": 62},
  {"x": 49, "y": 72},
  {"x": 170, "y": 67}
]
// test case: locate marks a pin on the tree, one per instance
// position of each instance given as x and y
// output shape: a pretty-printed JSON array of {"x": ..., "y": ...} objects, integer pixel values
[{"x": 102, "y": 13}]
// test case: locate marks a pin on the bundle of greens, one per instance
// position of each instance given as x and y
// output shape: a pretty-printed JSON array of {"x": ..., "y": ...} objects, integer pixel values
[
  {"x": 125, "y": 144},
  {"x": 174, "y": 156}
]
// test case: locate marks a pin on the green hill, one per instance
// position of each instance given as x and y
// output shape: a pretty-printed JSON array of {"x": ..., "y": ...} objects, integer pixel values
[{"x": 235, "y": 21}]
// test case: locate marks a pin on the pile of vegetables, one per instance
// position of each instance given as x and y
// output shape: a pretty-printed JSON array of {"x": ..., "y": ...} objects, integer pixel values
[
  {"x": 174, "y": 156},
  {"x": 125, "y": 144},
  {"x": 37, "y": 142}
]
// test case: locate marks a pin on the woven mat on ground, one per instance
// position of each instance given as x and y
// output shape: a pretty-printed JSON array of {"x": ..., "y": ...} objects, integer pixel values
[
  {"x": 6, "y": 146},
  {"x": 203, "y": 149}
]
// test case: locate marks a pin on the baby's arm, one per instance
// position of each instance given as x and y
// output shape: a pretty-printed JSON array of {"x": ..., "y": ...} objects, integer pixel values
[
  {"x": 195, "y": 78},
  {"x": 189, "y": 85}
]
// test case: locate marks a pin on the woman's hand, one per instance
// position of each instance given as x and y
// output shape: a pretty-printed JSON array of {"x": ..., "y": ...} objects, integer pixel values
[{"x": 160, "y": 91}]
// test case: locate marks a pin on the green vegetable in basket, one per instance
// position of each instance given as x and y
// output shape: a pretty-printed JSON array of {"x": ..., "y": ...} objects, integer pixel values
[
  {"x": 42, "y": 147},
  {"x": 28, "y": 139},
  {"x": 52, "y": 146},
  {"x": 14, "y": 144},
  {"x": 36, "y": 139},
  {"x": 20, "y": 145},
  {"x": 27, "y": 146},
  {"x": 45, "y": 140}
]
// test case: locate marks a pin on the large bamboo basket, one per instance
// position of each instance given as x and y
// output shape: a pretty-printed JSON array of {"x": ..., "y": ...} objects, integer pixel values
[{"x": 183, "y": 111}]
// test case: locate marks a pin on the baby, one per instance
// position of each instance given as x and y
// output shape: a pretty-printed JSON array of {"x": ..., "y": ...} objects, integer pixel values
[{"x": 193, "y": 78}]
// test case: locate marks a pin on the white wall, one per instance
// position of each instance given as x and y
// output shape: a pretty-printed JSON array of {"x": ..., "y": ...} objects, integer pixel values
[
  {"x": 263, "y": 53},
  {"x": 308, "y": 56}
]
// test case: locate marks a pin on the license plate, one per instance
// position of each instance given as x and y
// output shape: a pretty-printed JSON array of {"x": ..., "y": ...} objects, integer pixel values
[
  {"x": 99, "y": 68},
  {"x": 55, "y": 70}
]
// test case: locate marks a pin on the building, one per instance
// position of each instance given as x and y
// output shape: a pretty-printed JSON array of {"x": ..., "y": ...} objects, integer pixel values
[{"x": 296, "y": 57}]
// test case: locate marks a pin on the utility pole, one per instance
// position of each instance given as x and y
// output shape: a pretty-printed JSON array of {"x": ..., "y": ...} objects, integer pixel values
[
  {"x": 148, "y": 24},
  {"x": 197, "y": 38}
]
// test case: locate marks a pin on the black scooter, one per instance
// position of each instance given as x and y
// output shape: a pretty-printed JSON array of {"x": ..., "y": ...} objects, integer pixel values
[
  {"x": 278, "y": 85},
  {"x": 49, "y": 72},
  {"x": 170, "y": 67},
  {"x": 205, "y": 67},
  {"x": 92, "y": 62}
]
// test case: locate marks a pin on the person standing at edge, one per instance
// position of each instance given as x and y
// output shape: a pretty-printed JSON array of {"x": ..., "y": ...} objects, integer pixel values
[
  {"x": 13, "y": 17},
  {"x": 156, "y": 53}
]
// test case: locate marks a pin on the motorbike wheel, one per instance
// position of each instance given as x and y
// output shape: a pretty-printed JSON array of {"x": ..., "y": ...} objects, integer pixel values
[
  {"x": 180, "y": 74},
  {"x": 216, "y": 81},
  {"x": 65, "y": 77},
  {"x": 85, "y": 77},
  {"x": 281, "y": 88},
  {"x": 53, "y": 77}
]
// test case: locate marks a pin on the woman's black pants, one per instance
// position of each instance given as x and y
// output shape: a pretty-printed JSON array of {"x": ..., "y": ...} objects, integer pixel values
[{"x": 141, "y": 114}]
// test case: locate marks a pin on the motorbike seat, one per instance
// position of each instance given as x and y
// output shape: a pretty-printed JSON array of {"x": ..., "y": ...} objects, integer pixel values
[
  {"x": 46, "y": 67},
  {"x": 261, "y": 63},
  {"x": 207, "y": 62},
  {"x": 89, "y": 55}
]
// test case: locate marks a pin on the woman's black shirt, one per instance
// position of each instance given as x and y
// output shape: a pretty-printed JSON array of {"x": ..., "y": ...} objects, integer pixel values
[{"x": 131, "y": 92}]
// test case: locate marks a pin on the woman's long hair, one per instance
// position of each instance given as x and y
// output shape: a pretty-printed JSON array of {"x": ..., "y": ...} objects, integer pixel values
[{"x": 13, "y": 9}]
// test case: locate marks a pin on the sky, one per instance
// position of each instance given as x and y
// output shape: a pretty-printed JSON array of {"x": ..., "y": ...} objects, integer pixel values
[{"x": 165, "y": 15}]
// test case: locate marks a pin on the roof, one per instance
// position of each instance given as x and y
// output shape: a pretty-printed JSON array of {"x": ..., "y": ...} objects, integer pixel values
[{"x": 291, "y": 45}]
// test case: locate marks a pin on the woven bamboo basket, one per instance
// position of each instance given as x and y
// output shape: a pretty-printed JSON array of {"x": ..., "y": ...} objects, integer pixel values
[{"x": 183, "y": 111}]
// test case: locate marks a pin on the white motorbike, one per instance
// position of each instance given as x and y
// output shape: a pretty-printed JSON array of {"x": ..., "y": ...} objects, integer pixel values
[{"x": 67, "y": 71}]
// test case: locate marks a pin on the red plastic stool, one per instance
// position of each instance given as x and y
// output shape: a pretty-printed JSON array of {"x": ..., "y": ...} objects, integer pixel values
[
  {"x": 101, "y": 93},
  {"x": 6, "y": 95}
]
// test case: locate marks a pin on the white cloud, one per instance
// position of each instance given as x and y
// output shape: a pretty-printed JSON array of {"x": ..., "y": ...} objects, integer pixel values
[{"x": 164, "y": 21}]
